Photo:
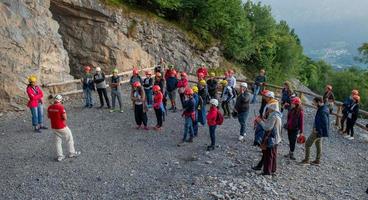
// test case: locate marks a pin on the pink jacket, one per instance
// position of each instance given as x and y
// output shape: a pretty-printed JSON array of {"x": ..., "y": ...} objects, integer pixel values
[{"x": 35, "y": 95}]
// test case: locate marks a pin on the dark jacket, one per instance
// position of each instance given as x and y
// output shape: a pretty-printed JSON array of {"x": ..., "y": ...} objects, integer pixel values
[
  {"x": 259, "y": 80},
  {"x": 286, "y": 96},
  {"x": 212, "y": 86},
  {"x": 147, "y": 83},
  {"x": 135, "y": 79},
  {"x": 242, "y": 102},
  {"x": 353, "y": 112},
  {"x": 263, "y": 105},
  {"x": 328, "y": 96},
  {"x": 347, "y": 104},
  {"x": 160, "y": 83},
  {"x": 322, "y": 121},
  {"x": 295, "y": 120},
  {"x": 87, "y": 81},
  {"x": 171, "y": 84}
]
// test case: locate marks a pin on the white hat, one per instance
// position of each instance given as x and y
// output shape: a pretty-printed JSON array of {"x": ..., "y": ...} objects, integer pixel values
[
  {"x": 244, "y": 85},
  {"x": 270, "y": 94},
  {"x": 58, "y": 98},
  {"x": 214, "y": 102},
  {"x": 98, "y": 69}
]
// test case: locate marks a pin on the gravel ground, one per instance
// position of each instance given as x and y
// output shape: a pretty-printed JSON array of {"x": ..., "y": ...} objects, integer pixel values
[{"x": 120, "y": 162}]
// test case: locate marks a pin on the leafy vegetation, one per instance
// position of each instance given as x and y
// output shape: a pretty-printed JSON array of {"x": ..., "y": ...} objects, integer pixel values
[{"x": 252, "y": 39}]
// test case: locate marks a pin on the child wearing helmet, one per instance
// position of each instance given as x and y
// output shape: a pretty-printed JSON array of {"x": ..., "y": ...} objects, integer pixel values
[
  {"x": 212, "y": 86},
  {"x": 35, "y": 103},
  {"x": 138, "y": 98},
  {"x": 158, "y": 106},
  {"x": 182, "y": 85},
  {"x": 161, "y": 83},
  {"x": 295, "y": 124},
  {"x": 226, "y": 96},
  {"x": 147, "y": 85},
  {"x": 212, "y": 122},
  {"x": 197, "y": 105},
  {"x": 189, "y": 116},
  {"x": 352, "y": 117},
  {"x": 99, "y": 79},
  {"x": 88, "y": 86},
  {"x": 116, "y": 90}
]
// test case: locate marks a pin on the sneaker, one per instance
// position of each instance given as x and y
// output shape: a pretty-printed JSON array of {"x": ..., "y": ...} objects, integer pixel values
[
  {"x": 190, "y": 140},
  {"x": 351, "y": 138},
  {"x": 37, "y": 130},
  {"x": 138, "y": 127},
  {"x": 316, "y": 162},
  {"x": 346, "y": 136},
  {"x": 305, "y": 162},
  {"x": 210, "y": 148},
  {"x": 101, "y": 107},
  {"x": 60, "y": 158},
  {"x": 292, "y": 157},
  {"x": 44, "y": 127},
  {"x": 266, "y": 174},
  {"x": 90, "y": 106},
  {"x": 121, "y": 111},
  {"x": 256, "y": 168},
  {"x": 111, "y": 111},
  {"x": 241, "y": 138},
  {"x": 75, "y": 154},
  {"x": 146, "y": 128}
]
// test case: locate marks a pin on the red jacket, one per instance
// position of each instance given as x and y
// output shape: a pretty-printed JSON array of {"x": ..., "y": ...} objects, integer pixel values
[
  {"x": 169, "y": 72},
  {"x": 157, "y": 100},
  {"x": 212, "y": 116},
  {"x": 295, "y": 121},
  {"x": 202, "y": 70},
  {"x": 182, "y": 84},
  {"x": 35, "y": 95}
]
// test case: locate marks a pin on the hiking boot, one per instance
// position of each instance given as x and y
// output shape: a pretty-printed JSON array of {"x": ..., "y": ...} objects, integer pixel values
[
  {"x": 316, "y": 162},
  {"x": 210, "y": 148},
  {"x": 292, "y": 156},
  {"x": 60, "y": 158},
  {"x": 181, "y": 143},
  {"x": 257, "y": 168},
  {"x": 305, "y": 162},
  {"x": 74, "y": 155},
  {"x": 266, "y": 174}
]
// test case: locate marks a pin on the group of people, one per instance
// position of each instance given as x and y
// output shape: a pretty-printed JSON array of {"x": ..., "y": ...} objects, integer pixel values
[{"x": 160, "y": 92}]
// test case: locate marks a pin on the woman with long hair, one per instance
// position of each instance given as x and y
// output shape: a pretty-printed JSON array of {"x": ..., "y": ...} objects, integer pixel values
[{"x": 295, "y": 124}]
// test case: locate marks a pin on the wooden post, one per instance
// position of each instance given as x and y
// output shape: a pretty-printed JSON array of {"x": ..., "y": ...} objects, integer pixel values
[{"x": 338, "y": 118}]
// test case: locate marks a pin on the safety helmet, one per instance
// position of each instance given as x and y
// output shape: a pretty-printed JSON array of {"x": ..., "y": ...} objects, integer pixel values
[
  {"x": 270, "y": 94},
  {"x": 264, "y": 92},
  {"x": 58, "y": 98},
  {"x": 115, "y": 70},
  {"x": 212, "y": 74},
  {"x": 244, "y": 85},
  {"x": 355, "y": 92},
  {"x": 173, "y": 73},
  {"x": 195, "y": 89},
  {"x": 223, "y": 82},
  {"x": 188, "y": 91},
  {"x": 135, "y": 71},
  {"x": 136, "y": 84},
  {"x": 296, "y": 101},
  {"x": 98, "y": 69},
  {"x": 156, "y": 88},
  {"x": 356, "y": 98},
  {"x": 32, "y": 79},
  {"x": 300, "y": 139},
  {"x": 87, "y": 68},
  {"x": 202, "y": 82},
  {"x": 214, "y": 102},
  {"x": 171, "y": 66},
  {"x": 200, "y": 75},
  {"x": 158, "y": 74},
  {"x": 183, "y": 74}
]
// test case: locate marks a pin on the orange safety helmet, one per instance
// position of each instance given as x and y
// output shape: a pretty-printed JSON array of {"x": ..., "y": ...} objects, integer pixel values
[
  {"x": 355, "y": 92},
  {"x": 156, "y": 88},
  {"x": 296, "y": 101},
  {"x": 87, "y": 68},
  {"x": 136, "y": 84},
  {"x": 173, "y": 73},
  {"x": 264, "y": 92},
  {"x": 188, "y": 91},
  {"x": 300, "y": 139}
]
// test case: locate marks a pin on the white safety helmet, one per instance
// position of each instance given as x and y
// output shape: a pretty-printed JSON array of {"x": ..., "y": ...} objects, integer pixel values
[
  {"x": 270, "y": 94},
  {"x": 244, "y": 85},
  {"x": 58, "y": 98},
  {"x": 214, "y": 102},
  {"x": 98, "y": 69}
]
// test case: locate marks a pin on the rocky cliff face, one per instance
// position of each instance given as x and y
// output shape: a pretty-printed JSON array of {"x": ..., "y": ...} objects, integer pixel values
[
  {"x": 29, "y": 44},
  {"x": 108, "y": 37},
  {"x": 41, "y": 37}
]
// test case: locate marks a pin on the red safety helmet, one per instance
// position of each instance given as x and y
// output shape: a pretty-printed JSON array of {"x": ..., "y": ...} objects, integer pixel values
[
  {"x": 264, "y": 92},
  {"x": 296, "y": 101},
  {"x": 135, "y": 71},
  {"x": 87, "y": 68},
  {"x": 183, "y": 74},
  {"x": 356, "y": 98},
  {"x": 188, "y": 91},
  {"x": 355, "y": 92},
  {"x": 173, "y": 73},
  {"x": 200, "y": 75},
  {"x": 156, "y": 88},
  {"x": 136, "y": 84},
  {"x": 300, "y": 139}
]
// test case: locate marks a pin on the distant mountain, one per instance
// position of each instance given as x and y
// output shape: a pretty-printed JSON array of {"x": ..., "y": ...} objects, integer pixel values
[{"x": 329, "y": 29}]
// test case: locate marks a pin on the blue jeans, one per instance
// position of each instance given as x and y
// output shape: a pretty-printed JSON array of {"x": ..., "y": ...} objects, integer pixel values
[
  {"x": 195, "y": 124},
  {"x": 242, "y": 118},
  {"x": 148, "y": 96},
  {"x": 37, "y": 115},
  {"x": 212, "y": 134},
  {"x": 88, "y": 96},
  {"x": 188, "y": 127},
  {"x": 257, "y": 89}
]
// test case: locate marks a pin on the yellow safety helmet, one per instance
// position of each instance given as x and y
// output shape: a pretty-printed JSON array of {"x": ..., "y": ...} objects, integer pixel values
[
  {"x": 32, "y": 79},
  {"x": 195, "y": 89},
  {"x": 202, "y": 82},
  {"x": 115, "y": 70},
  {"x": 223, "y": 82},
  {"x": 212, "y": 74}
]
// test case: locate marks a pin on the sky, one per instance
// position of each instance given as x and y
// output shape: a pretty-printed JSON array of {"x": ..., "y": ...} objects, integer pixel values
[{"x": 320, "y": 22}]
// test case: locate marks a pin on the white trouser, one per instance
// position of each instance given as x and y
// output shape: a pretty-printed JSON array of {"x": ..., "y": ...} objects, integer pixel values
[{"x": 67, "y": 134}]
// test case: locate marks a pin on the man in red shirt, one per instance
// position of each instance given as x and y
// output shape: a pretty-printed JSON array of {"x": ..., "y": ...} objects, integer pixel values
[{"x": 57, "y": 116}]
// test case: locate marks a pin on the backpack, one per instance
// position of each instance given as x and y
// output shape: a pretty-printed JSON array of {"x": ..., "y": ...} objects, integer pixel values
[{"x": 219, "y": 118}]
